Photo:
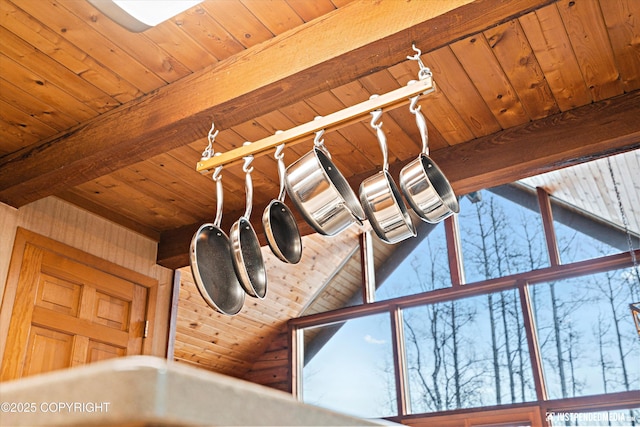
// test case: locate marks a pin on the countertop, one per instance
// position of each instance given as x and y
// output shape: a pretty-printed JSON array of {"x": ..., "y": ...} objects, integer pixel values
[{"x": 150, "y": 391}]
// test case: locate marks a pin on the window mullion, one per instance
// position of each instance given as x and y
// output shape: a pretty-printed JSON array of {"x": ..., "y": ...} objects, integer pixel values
[
  {"x": 296, "y": 360},
  {"x": 399, "y": 358},
  {"x": 532, "y": 342},
  {"x": 367, "y": 267},
  {"x": 547, "y": 224},
  {"x": 452, "y": 233}
]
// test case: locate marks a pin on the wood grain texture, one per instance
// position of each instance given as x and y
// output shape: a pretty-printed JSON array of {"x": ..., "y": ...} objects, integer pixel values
[
  {"x": 624, "y": 34},
  {"x": 584, "y": 132},
  {"x": 240, "y": 345},
  {"x": 17, "y": 320},
  {"x": 587, "y": 36},
  {"x": 522, "y": 69},
  {"x": 597, "y": 133},
  {"x": 88, "y": 149},
  {"x": 88, "y": 234},
  {"x": 490, "y": 80},
  {"x": 548, "y": 38},
  {"x": 62, "y": 300}
]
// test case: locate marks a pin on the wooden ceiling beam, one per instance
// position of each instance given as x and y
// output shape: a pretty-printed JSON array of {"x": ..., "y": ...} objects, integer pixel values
[
  {"x": 351, "y": 42},
  {"x": 586, "y": 133}
]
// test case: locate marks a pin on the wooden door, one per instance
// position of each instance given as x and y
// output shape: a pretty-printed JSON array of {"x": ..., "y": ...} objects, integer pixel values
[{"x": 67, "y": 313}]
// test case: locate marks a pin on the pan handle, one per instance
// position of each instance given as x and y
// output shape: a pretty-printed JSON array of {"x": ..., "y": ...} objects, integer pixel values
[
  {"x": 421, "y": 122},
  {"x": 248, "y": 183},
  {"x": 382, "y": 139},
  {"x": 279, "y": 155},
  {"x": 217, "y": 178}
]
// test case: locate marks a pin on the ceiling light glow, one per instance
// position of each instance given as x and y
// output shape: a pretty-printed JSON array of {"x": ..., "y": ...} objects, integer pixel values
[{"x": 140, "y": 15}]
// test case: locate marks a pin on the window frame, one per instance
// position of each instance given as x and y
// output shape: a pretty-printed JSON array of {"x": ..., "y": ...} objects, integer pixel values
[{"x": 459, "y": 290}]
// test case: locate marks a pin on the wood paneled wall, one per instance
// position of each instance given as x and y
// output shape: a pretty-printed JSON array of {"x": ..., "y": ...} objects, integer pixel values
[
  {"x": 249, "y": 345},
  {"x": 65, "y": 223},
  {"x": 272, "y": 368}
]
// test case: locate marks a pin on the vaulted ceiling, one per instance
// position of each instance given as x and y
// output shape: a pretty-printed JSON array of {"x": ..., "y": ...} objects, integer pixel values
[{"x": 115, "y": 121}]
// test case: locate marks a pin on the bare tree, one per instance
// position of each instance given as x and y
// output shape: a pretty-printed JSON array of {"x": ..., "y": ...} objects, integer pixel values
[
  {"x": 556, "y": 326},
  {"x": 617, "y": 296},
  {"x": 442, "y": 374},
  {"x": 600, "y": 334}
]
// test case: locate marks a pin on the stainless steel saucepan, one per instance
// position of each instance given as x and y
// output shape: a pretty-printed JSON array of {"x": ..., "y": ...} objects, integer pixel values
[
  {"x": 382, "y": 200},
  {"x": 321, "y": 193},
  {"x": 245, "y": 246},
  {"x": 280, "y": 226},
  {"x": 211, "y": 266},
  {"x": 423, "y": 184}
]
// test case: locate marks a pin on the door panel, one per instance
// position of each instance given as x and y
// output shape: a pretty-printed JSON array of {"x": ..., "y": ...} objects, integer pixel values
[
  {"x": 47, "y": 350},
  {"x": 67, "y": 313},
  {"x": 58, "y": 295},
  {"x": 100, "y": 351},
  {"x": 111, "y": 311}
]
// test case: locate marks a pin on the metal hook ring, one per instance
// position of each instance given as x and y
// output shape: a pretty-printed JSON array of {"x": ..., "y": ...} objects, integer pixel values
[
  {"x": 217, "y": 174},
  {"x": 212, "y": 135},
  {"x": 417, "y": 55},
  {"x": 209, "y": 151},
  {"x": 424, "y": 72},
  {"x": 413, "y": 105},
  {"x": 217, "y": 171},
  {"x": 375, "y": 117},
  {"x": 247, "y": 160},
  {"x": 318, "y": 140},
  {"x": 279, "y": 154},
  {"x": 247, "y": 163}
]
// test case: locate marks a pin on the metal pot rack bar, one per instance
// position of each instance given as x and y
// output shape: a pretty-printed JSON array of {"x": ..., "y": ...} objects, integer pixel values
[{"x": 334, "y": 121}]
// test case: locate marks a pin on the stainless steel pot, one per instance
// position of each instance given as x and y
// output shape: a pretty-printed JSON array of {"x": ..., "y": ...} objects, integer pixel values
[
  {"x": 245, "y": 246},
  {"x": 211, "y": 266},
  {"x": 381, "y": 199},
  {"x": 423, "y": 184},
  {"x": 280, "y": 226},
  {"x": 321, "y": 193}
]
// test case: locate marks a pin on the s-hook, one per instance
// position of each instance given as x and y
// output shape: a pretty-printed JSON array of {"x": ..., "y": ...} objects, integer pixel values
[
  {"x": 209, "y": 151},
  {"x": 424, "y": 72},
  {"x": 375, "y": 119},
  {"x": 246, "y": 167}
]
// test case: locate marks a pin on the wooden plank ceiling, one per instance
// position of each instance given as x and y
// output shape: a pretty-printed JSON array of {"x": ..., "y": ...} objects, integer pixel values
[{"x": 115, "y": 121}]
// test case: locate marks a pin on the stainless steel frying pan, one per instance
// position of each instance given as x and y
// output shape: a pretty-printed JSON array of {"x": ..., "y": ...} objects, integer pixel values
[
  {"x": 280, "y": 226},
  {"x": 245, "y": 246},
  {"x": 211, "y": 266}
]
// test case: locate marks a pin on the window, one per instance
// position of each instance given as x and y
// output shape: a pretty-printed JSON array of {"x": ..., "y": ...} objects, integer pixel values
[
  {"x": 588, "y": 341},
  {"x": 576, "y": 241},
  {"x": 467, "y": 353},
  {"x": 499, "y": 237},
  {"x": 349, "y": 367},
  {"x": 477, "y": 343},
  {"x": 424, "y": 268}
]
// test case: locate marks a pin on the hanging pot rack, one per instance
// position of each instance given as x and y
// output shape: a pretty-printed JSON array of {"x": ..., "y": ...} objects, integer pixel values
[{"x": 334, "y": 121}]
